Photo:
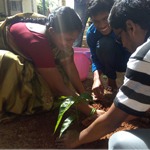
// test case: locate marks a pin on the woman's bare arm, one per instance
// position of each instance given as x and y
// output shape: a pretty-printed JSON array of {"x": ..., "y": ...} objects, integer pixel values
[
  {"x": 71, "y": 70},
  {"x": 56, "y": 84},
  {"x": 55, "y": 81}
]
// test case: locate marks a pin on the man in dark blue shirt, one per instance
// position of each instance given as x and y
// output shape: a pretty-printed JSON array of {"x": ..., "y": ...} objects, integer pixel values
[{"x": 107, "y": 53}]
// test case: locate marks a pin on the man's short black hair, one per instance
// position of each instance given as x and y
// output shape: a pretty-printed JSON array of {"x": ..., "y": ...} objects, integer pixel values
[
  {"x": 98, "y": 6},
  {"x": 136, "y": 10}
]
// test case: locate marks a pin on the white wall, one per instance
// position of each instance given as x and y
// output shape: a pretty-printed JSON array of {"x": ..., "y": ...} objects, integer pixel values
[
  {"x": 34, "y": 6},
  {"x": 57, "y": 3},
  {"x": 29, "y": 6},
  {"x": 2, "y": 6},
  {"x": 70, "y": 3}
]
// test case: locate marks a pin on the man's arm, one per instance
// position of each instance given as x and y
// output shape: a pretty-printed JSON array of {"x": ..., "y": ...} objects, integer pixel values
[
  {"x": 97, "y": 87},
  {"x": 92, "y": 36},
  {"x": 102, "y": 126}
]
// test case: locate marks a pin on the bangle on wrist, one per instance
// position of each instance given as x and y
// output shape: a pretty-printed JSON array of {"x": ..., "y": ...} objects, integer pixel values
[{"x": 92, "y": 111}]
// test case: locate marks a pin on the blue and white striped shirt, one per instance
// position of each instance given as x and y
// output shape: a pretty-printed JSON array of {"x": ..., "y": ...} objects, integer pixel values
[{"x": 134, "y": 95}]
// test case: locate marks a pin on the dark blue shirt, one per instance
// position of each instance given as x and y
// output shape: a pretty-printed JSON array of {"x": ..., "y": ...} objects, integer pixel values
[{"x": 92, "y": 36}]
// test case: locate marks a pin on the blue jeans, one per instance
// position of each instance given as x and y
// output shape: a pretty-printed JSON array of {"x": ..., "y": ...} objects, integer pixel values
[
  {"x": 112, "y": 57},
  {"x": 132, "y": 139}
]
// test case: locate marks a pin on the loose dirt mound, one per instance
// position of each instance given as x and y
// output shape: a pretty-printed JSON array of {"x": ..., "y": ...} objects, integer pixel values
[{"x": 36, "y": 131}]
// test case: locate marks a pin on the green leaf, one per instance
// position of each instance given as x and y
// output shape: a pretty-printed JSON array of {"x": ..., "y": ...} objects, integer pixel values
[
  {"x": 66, "y": 104},
  {"x": 58, "y": 102},
  {"x": 66, "y": 124},
  {"x": 84, "y": 97}
]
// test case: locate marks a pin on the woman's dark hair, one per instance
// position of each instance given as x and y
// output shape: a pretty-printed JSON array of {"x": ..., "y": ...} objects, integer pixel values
[
  {"x": 136, "y": 10},
  {"x": 27, "y": 17},
  {"x": 64, "y": 19},
  {"x": 97, "y": 6}
]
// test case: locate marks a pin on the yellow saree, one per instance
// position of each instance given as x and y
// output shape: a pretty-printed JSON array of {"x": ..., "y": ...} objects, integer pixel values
[{"x": 22, "y": 90}]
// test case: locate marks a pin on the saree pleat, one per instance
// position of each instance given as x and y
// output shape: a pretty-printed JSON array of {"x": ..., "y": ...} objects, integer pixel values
[{"x": 22, "y": 89}]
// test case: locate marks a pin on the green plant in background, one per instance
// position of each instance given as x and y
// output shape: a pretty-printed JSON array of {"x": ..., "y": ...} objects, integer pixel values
[
  {"x": 67, "y": 102},
  {"x": 46, "y": 6},
  {"x": 2, "y": 18},
  {"x": 43, "y": 7}
]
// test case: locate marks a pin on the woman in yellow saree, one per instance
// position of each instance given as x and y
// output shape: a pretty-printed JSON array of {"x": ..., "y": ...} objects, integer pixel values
[{"x": 36, "y": 61}]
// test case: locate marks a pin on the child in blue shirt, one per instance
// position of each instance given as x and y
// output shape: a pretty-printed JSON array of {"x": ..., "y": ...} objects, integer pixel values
[{"x": 107, "y": 53}]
